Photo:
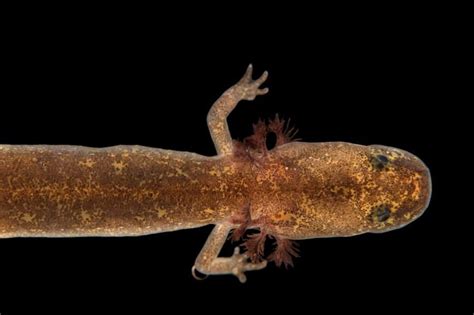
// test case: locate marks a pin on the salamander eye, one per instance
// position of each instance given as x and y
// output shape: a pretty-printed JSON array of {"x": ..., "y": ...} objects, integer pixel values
[
  {"x": 381, "y": 214},
  {"x": 379, "y": 161}
]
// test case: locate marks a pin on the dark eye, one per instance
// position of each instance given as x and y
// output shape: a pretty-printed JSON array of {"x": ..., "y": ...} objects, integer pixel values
[
  {"x": 382, "y": 158},
  {"x": 379, "y": 161},
  {"x": 381, "y": 213}
]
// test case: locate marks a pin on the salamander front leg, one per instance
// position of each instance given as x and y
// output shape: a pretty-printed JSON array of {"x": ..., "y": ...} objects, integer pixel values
[
  {"x": 209, "y": 263},
  {"x": 245, "y": 89}
]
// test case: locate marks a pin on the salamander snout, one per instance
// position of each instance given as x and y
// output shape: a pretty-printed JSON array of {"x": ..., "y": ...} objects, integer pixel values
[{"x": 405, "y": 183}]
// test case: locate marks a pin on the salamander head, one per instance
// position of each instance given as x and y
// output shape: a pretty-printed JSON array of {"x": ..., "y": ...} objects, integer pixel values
[
  {"x": 401, "y": 186},
  {"x": 333, "y": 188},
  {"x": 348, "y": 189}
]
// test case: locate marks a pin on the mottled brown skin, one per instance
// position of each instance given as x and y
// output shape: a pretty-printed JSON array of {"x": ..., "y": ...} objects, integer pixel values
[
  {"x": 299, "y": 190},
  {"x": 116, "y": 191},
  {"x": 308, "y": 190},
  {"x": 294, "y": 191}
]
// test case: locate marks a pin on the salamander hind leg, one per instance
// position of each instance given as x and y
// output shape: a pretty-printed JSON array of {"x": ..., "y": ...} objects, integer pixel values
[{"x": 209, "y": 263}]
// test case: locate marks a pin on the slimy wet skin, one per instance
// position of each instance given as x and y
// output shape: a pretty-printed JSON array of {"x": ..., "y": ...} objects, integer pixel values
[{"x": 296, "y": 190}]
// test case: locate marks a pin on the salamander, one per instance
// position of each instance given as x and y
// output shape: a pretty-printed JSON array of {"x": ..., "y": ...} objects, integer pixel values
[{"x": 293, "y": 191}]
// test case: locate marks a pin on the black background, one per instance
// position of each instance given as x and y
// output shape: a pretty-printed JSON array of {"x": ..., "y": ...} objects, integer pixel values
[{"x": 344, "y": 77}]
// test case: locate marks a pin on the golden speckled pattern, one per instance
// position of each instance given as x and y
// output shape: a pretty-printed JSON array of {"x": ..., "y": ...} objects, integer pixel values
[
  {"x": 307, "y": 190},
  {"x": 301, "y": 190},
  {"x": 122, "y": 190},
  {"x": 295, "y": 191}
]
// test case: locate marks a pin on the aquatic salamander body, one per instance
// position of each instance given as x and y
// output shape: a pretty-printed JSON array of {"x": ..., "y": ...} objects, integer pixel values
[{"x": 293, "y": 191}]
